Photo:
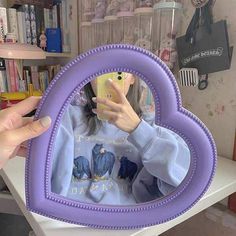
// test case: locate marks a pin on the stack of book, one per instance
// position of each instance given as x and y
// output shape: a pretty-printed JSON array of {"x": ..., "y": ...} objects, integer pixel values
[
  {"x": 29, "y": 21},
  {"x": 12, "y": 81}
]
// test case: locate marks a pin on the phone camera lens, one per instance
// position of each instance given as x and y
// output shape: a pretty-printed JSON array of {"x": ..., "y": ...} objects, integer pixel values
[
  {"x": 119, "y": 73},
  {"x": 119, "y": 78}
]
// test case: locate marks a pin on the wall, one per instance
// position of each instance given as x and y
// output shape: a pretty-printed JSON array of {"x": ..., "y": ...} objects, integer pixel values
[{"x": 216, "y": 106}]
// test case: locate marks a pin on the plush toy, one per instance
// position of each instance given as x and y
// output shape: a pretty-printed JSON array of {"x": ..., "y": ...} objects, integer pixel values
[
  {"x": 100, "y": 9},
  {"x": 113, "y": 8},
  {"x": 167, "y": 51}
]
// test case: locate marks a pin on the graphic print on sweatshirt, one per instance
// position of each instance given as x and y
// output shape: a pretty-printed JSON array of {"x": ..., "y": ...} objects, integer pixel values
[{"x": 94, "y": 179}]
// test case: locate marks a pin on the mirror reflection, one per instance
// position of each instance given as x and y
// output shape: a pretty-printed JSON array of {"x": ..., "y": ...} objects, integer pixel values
[{"x": 108, "y": 149}]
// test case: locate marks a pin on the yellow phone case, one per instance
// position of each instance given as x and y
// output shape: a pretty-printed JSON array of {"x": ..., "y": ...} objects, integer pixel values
[{"x": 105, "y": 91}]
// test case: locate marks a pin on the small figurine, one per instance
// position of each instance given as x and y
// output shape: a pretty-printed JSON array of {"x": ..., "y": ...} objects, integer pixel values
[
  {"x": 100, "y": 9},
  {"x": 113, "y": 8},
  {"x": 43, "y": 41},
  {"x": 145, "y": 3}
]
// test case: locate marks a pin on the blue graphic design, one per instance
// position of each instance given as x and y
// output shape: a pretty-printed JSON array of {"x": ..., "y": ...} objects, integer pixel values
[
  {"x": 103, "y": 161},
  {"x": 81, "y": 168},
  {"x": 128, "y": 169}
]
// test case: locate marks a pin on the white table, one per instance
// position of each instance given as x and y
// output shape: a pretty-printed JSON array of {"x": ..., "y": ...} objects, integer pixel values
[{"x": 223, "y": 185}]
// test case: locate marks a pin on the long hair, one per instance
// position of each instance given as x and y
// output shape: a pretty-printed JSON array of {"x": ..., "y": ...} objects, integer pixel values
[{"x": 93, "y": 123}]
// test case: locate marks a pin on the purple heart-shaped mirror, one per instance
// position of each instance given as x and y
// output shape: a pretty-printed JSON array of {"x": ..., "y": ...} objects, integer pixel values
[{"x": 129, "y": 170}]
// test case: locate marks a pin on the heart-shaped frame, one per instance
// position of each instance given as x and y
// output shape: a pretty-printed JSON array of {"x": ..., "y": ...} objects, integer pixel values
[{"x": 169, "y": 114}]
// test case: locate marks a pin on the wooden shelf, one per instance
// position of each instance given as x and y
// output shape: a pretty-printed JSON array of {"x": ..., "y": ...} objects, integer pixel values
[{"x": 21, "y": 51}]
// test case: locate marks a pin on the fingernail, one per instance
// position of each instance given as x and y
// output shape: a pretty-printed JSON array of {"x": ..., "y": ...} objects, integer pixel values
[
  {"x": 110, "y": 80},
  {"x": 94, "y": 111},
  {"x": 94, "y": 99},
  {"x": 45, "y": 121}
]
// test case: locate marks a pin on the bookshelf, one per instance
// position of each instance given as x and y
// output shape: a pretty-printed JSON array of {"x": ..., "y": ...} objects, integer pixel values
[
  {"x": 39, "y": 56},
  {"x": 20, "y": 52}
]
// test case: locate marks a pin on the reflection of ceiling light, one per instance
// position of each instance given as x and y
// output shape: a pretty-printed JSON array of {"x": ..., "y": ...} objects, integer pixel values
[{"x": 21, "y": 51}]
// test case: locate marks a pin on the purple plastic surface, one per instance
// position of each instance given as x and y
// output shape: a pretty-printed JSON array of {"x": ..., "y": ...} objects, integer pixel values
[{"x": 169, "y": 114}]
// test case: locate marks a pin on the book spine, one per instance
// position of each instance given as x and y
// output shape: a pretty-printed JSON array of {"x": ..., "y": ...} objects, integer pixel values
[
  {"x": 50, "y": 17},
  {"x": 69, "y": 16},
  {"x": 58, "y": 15},
  {"x": 24, "y": 27},
  {"x": 3, "y": 17},
  {"x": 27, "y": 24},
  {"x": 54, "y": 15},
  {"x": 8, "y": 76},
  {"x": 3, "y": 82},
  {"x": 65, "y": 27},
  {"x": 11, "y": 76},
  {"x": 16, "y": 77},
  {"x": 35, "y": 77},
  {"x": 22, "y": 85},
  {"x": 12, "y": 20},
  {"x": 40, "y": 26},
  {"x": 20, "y": 27},
  {"x": 46, "y": 79},
  {"x": 46, "y": 18},
  {"x": 33, "y": 25},
  {"x": 41, "y": 81}
]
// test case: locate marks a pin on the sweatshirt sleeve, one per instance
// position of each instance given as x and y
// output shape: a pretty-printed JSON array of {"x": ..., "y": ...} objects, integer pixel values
[
  {"x": 63, "y": 155},
  {"x": 164, "y": 154}
]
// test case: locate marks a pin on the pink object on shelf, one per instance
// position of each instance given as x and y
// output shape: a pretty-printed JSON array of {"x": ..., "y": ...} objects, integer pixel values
[{"x": 21, "y": 51}]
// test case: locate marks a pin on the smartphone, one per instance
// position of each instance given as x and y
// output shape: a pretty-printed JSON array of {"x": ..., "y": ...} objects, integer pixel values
[{"x": 105, "y": 91}]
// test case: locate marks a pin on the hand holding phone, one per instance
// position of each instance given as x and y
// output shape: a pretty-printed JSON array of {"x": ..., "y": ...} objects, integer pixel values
[{"x": 105, "y": 91}]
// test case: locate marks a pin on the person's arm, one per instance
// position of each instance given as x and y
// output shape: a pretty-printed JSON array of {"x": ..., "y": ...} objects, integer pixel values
[
  {"x": 15, "y": 128},
  {"x": 164, "y": 154}
]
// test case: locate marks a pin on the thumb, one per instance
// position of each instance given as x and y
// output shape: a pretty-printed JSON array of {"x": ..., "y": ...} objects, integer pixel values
[{"x": 31, "y": 130}]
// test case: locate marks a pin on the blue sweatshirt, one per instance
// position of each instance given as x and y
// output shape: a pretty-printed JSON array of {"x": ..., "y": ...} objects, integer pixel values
[{"x": 115, "y": 167}]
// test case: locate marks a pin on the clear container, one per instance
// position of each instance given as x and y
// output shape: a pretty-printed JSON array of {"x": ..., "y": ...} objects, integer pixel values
[
  {"x": 112, "y": 7},
  {"x": 87, "y": 10},
  {"x": 166, "y": 24},
  {"x": 127, "y": 28},
  {"x": 115, "y": 29},
  {"x": 143, "y": 28},
  {"x": 143, "y": 4},
  {"x": 86, "y": 38},
  {"x": 100, "y": 33}
]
